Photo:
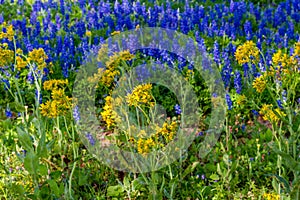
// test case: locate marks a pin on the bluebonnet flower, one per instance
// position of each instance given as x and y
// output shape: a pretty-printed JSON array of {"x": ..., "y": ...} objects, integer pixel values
[
  {"x": 8, "y": 113},
  {"x": 284, "y": 95},
  {"x": 279, "y": 103},
  {"x": 201, "y": 133},
  {"x": 291, "y": 30},
  {"x": 76, "y": 114},
  {"x": 90, "y": 139},
  {"x": 243, "y": 127},
  {"x": 229, "y": 102},
  {"x": 246, "y": 69},
  {"x": 62, "y": 7},
  {"x": 248, "y": 29},
  {"x": 203, "y": 177},
  {"x": 238, "y": 82},
  {"x": 251, "y": 159},
  {"x": 255, "y": 112},
  {"x": 216, "y": 53},
  {"x": 177, "y": 109}
]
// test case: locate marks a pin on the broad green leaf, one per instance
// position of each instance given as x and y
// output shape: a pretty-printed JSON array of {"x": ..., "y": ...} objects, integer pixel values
[
  {"x": 214, "y": 177},
  {"x": 53, "y": 186},
  {"x": 114, "y": 191},
  {"x": 284, "y": 181},
  {"x": 289, "y": 161},
  {"x": 43, "y": 170},
  {"x": 82, "y": 179},
  {"x": 31, "y": 162},
  {"x": 25, "y": 140}
]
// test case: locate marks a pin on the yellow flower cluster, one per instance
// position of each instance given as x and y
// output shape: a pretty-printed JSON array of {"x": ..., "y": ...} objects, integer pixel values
[
  {"x": 94, "y": 79},
  {"x": 168, "y": 130},
  {"x": 260, "y": 83},
  {"x": 141, "y": 95},
  {"x": 144, "y": 145},
  {"x": 60, "y": 103},
  {"x": 9, "y": 34},
  {"x": 284, "y": 60},
  {"x": 247, "y": 52},
  {"x": 269, "y": 115},
  {"x": 268, "y": 196},
  {"x": 6, "y": 55},
  {"x": 112, "y": 64},
  {"x": 162, "y": 136},
  {"x": 20, "y": 63},
  {"x": 109, "y": 116},
  {"x": 39, "y": 57},
  {"x": 53, "y": 84}
]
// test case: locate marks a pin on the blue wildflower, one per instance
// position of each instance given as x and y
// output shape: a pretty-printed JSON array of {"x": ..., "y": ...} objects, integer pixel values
[
  {"x": 90, "y": 139},
  {"x": 229, "y": 102},
  {"x": 76, "y": 114},
  {"x": 255, "y": 112},
  {"x": 177, "y": 109},
  {"x": 279, "y": 103},
  {"x": 238, "y": 82},
  {"x": 8, "y": 113}
]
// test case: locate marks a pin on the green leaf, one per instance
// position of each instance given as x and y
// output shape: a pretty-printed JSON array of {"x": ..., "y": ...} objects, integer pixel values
[
  {"x": 82, "y": 179},
  {"x": 53, "y": 186},
  {"x": 18, "y": 107},
  {"x": 289, "y": 161},
  {"x": 24, "y": 139},
  {"x": 31, "y": 162},
  {"x": 295, "y": 193},
  {"x": 126, "y": 182},
  {"x": 114, "y": 191},
  {"x": 214, "y": 177},
  {"x": 43, "y": 170},
  {"x": 284, "y": 181},
  {"x": 190, "y": 169}
]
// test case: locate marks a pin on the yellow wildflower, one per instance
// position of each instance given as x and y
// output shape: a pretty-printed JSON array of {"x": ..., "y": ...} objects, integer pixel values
[
  {"x": 297, "y": 49},
  {"x": 53, "y": 84},
  {"x": 20, "y": 63},
  {"x": 268, "y": 113},
  {"x": 6, "y": 56},
  {"x": 88, "y": 33},
  {"x": 97, "y": 76},
  {"x": 19, "y": 51},
  {"x": 137, "y": 27},
  {"x": 58, "y": 106},
  {"x": 144, "y": 145},
  {"x": 109, "y": 116},
  {"x": 39, "y": 57},
  {"x": 112, "y": 64},
  {"x": 247, "y": 52},
  {"x": 115, "y": 33},
  {"x": 259, "y": 84},
  {"x": 9, "y": 34},
  {"x": 268, "y": 196},
  {"x": 141, "y": 95}
]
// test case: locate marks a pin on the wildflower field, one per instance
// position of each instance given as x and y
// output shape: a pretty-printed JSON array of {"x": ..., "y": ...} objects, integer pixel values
[{"x": 150, "y": 99}]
